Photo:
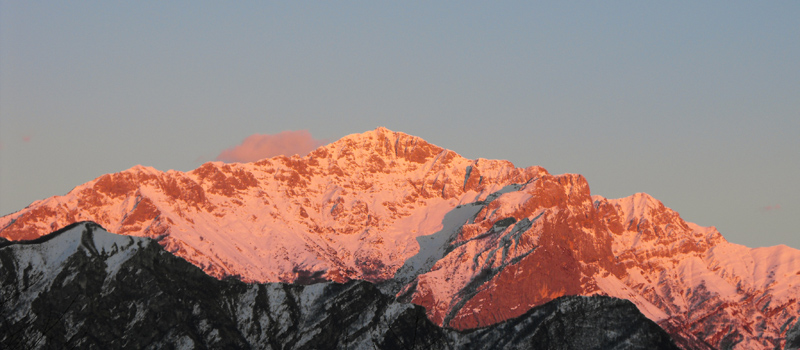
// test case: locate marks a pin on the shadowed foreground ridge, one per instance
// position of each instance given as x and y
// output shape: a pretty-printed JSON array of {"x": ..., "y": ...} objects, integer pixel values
[{"x": 86, "y": 288}]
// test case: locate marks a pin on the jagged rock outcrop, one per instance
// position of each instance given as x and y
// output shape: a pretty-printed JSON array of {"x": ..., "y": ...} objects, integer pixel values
[
  {"x": 475, "y": 242},
  {"x": 83, "y": 287}
]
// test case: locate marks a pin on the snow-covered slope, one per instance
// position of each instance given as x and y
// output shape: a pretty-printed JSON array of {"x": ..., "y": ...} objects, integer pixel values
[
  {"x": 726, "y": 294},
  {"x": 350, "y": 210},
  {"x": 85, "y": 288},
  {"x": 474, "y": 241}
]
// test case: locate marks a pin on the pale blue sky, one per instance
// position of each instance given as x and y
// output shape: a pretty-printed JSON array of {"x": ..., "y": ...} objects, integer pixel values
[{"x": 696, "y": 103}]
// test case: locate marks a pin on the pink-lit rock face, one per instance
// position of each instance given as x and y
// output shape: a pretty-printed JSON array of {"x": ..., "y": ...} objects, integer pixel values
[
  {"x": 352, "y": 209},
  {"x": 473, "y": 241}
]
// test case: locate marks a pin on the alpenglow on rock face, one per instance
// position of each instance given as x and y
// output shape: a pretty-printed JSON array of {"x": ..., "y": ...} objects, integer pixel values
[
  {"x": 86, "y": 288},
  {"x": 475, "y": 242}
]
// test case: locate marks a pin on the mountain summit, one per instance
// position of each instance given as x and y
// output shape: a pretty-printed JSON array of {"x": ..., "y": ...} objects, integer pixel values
[{"x": 476, "y": 242}]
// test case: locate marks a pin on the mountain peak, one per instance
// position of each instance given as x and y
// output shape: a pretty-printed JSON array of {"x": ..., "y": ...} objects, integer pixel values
[
  {"x": 143, "y": 169},
  {"x": 376, "y": 135},
  {"x": 384, "y": 143},
  {"x": 474, "y": 241},
  {"x": 640, "y": 205}
]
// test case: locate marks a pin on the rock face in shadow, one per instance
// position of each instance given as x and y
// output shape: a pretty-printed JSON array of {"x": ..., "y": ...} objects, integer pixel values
[
  {"x": 793, "y": 337},
  {"x": 575, "y": 322},
  {"x": 82, "y": 287}
]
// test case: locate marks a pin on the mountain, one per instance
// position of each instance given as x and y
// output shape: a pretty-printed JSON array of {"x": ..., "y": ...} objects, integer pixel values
[
  {"x": 82, "y": 287},
  {"x": 475, "y": 242}
]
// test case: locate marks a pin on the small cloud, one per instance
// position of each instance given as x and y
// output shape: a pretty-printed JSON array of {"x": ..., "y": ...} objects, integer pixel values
[
  {"x": 258, "y": 146},
  {"x": 26, "y": 138},
  {"x": 775, "y": 207},
  {"x": 201, "y": 159}
]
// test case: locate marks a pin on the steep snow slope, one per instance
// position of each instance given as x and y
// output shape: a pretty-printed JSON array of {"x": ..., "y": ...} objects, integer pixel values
[{"x": 474, "y": 241}]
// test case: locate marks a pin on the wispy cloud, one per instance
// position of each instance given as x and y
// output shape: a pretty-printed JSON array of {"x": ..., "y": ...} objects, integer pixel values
[
  {"x": 258, "y": 146},
  {"x": 775, "y": 207}
]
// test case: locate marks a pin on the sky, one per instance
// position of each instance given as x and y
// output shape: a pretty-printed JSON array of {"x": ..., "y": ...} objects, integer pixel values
[{"x": 695, "y": 103}]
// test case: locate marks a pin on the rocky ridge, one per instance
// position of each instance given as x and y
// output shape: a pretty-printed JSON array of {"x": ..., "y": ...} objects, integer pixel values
[
  {"x": 83, "y": 287},
  {"x": 476, "y": 242}
]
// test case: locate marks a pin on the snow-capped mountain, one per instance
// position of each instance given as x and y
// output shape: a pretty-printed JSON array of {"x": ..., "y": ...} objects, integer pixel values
[
  {"x": 85, "y": 288},
  {"x": 475, "y": 242}
]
